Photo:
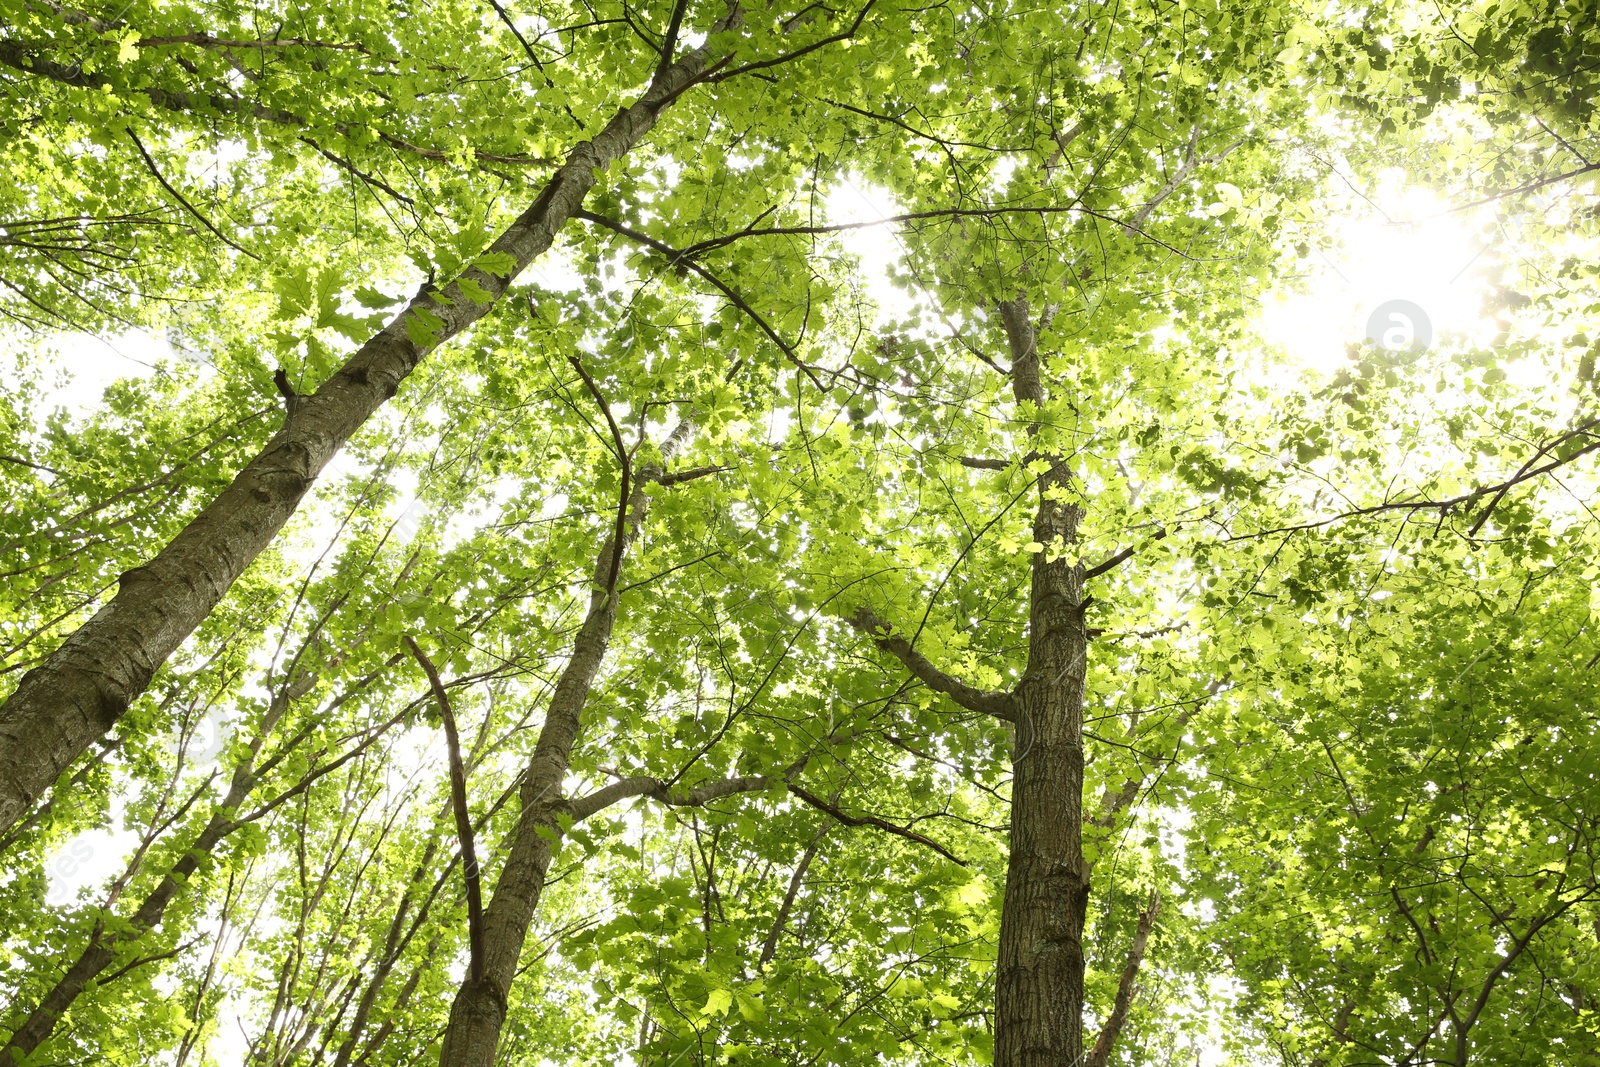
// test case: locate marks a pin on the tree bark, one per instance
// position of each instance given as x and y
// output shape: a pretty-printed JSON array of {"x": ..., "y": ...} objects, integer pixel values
[
  {"x": 83, "y": 688},
  {"x": 1039, "y": 977},
  {"x": 479, "y": 1010}
]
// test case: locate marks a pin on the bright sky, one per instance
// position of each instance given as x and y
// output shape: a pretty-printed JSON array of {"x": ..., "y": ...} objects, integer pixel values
[{"x": 1406, "y": 245}]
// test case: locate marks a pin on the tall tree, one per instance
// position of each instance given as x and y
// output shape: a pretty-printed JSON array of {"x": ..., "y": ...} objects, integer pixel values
[
  {"x": 1024, "y": 662},
  {"x": 82, "y": 688}
]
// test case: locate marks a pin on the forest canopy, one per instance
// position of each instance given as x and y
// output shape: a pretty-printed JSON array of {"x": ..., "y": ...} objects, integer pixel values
[{"x": 703, "y": 533}]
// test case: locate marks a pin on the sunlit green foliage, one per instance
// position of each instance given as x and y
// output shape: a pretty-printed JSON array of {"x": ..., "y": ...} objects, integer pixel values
[{"x": 1341, "y": 715}]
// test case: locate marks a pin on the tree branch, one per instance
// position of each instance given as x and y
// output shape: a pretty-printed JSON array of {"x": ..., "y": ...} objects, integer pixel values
[
  {"x": 1100, "y": 1054},
  {"x": 627, "y": 475},
  {"x": 363, "y": 176},
  {"x": 789, "y": 57},
  {"x": 669, "y": 43},
  {"x": 656, "y": 789},
  {"x": 1528, "y": 188},
  {"x": 1499, "y": 489},
  {"x": 151, "y": 164},
  {"x": 19, "y": 57},
  {"x": 686, "y": 260},
  {"x": 1184, "y": 169},
  {"x": 1463, "y": 1027},
  {"x": 458, "y": 801},
  {"x": 769, "y": 947},
  {"x": 1110, "y": 564},
  {"x": 1120, "y": 558},
  {"x": 922, "y": 216},
  {"x": 872, "y": 820},
  {"x": 985, "y": 701},
  {"x": 505, "y": 17},
  {"x": 1523, "y": 471},
  {"x": 693, "y": 473}
]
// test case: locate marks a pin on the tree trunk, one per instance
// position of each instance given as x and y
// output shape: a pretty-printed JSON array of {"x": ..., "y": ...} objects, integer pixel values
[
  {"x": 103, "y": 946},
  {"x": 394, "y": 943},
  {"x": 479, "y": 1010},
  {"x": 1100, "y": 1054},
  {"x": 83, "y": 688},
  {"x": 1039, "y": 978}
]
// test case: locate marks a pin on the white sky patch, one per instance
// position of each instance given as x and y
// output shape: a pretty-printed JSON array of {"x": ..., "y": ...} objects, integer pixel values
[
  {"x": 91, "y": 364},
  {"x": 555, "y": 272},
  {"x": 405, "y": 483},
  {"x": 89, "y": 859},
  {"x": 1408, "y": 246},
  {"x": 1004, "y": 169},
  {"x": 554, "y": 505},
  {"x": 877, "y": 247}
]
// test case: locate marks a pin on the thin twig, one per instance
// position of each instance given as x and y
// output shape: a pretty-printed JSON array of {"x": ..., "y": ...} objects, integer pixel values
[
  {"x": 150, "y": 163},
  {"x": 458, "y": 801},
  {"x": 676, "y": 258}
]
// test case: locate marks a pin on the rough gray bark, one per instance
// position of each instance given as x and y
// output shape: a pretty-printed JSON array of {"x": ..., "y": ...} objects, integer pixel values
[
  {"x": 83, "y": 688},
  {"x": 1039, "y": 975},
  {"x": 479, "y": 1010}
]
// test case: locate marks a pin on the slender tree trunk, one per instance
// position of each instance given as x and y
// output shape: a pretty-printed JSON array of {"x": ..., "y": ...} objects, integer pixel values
[
  {"x": 479, "y": 1010},
  {"x": 394, "y": 943},
  {"x": 769, "y": 948},
  {"x": 1100, "y": 1054},
  {"x": 1039, "y": 978},
  {"x": 83, "y": 688},
  {"x": 104, "y": 944}
]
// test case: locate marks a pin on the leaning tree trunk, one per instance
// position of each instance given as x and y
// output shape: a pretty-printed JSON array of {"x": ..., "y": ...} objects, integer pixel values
[
  {"x": 83, "y": 688},
  {"x": 1039, "y": 977},
  {"x": 104, "y": 945},
  {"x": 106, "y": 941},
  {"x": 479, "y": 1010}
]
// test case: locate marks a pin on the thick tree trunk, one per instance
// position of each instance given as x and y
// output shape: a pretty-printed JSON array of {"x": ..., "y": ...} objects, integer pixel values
[
  {"x": 83, "y": 688},
  {"x": 479, "y": 1010},
  {"x": 1039, "y": 978}
]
